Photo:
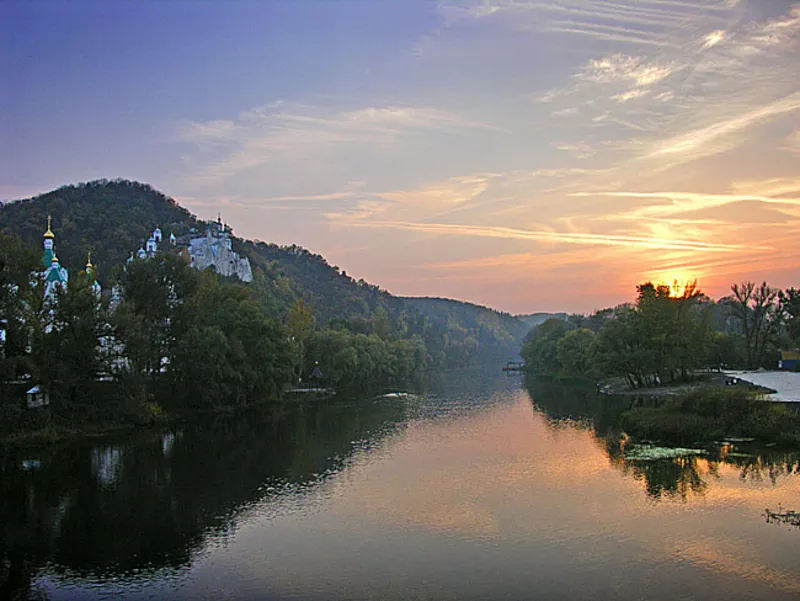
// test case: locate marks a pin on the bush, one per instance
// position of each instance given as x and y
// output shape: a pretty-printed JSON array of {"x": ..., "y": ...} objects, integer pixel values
[
  {"x": 709, "y": 414},
  {"x": 667, "y": 425}
]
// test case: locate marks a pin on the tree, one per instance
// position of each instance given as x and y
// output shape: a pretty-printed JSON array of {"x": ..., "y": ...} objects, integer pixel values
[
  {"x": 151, "y": 316},
  {"x": 540, "y": 348},
  {"x": 300, "y": 321},
  {"x": 65, "y": 345},
  {"x": 660, "y": 338},
  {"x": 757, "y": 312},
  {"x": 575, "y": 351},
  {"x": 789, "y": 308},
  {"x": 16, "y": 264}
]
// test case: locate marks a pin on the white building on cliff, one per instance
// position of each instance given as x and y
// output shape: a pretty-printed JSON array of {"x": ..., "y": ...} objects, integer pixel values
[{"x": 215, "y": 250}]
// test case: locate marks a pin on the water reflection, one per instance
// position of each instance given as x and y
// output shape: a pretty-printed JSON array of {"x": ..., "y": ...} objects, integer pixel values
[
  {"x": 151, "y": 499},
  {"x": 677, "y": 477},
  {"x": 466, "y": 492}
]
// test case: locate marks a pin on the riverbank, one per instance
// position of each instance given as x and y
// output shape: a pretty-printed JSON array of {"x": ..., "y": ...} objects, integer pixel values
[
  {"x": 782, "y": 386},
  {"x": 726, "y": 380},
  {"x": 710, "y": 414}
]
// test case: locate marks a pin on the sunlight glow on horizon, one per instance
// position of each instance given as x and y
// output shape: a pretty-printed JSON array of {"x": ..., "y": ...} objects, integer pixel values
[{"x": 519, "y": 154}]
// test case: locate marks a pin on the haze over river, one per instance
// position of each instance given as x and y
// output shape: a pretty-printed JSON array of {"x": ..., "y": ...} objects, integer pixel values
[{"x": 480, "y": 487}]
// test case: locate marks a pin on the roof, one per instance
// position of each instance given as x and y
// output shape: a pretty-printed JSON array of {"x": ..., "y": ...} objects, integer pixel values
[{"x": 56, "y": 274}]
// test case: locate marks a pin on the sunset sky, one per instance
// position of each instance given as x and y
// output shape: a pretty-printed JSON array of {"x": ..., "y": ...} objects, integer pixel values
[{"x": 529, "y": 155}]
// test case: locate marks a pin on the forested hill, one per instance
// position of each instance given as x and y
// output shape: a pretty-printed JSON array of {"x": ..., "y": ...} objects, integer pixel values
[
  {"x": 461, "y": 319},
  {"x": 110, "y": 218},
  {"x": 535, "y": 319},
  {"x": 113, "y": 218}
]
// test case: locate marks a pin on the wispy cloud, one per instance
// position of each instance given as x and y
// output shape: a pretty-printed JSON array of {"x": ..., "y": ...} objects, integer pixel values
[
  {"x": 660, "y": 142},
  {"x": 259, "y": 135},
  {"x": 552, "y": 237},
  {"x": 686, "y": 201},
  {"x": 700, "y": 142}
]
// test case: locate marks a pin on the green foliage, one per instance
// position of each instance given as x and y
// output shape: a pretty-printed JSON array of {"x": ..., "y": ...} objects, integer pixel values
[
  {"x": 17, "y": 261},
  {"x": 65, "y": 339},
  {"x": 112, "y": 218},
  {"x": 540, "y": 349},
  {"x": 662, "y": 338},
  {"x": 109, "y": 218},
  {"x": 727, "y": 350},
  {"x": 712, "y": 413},
  {"x": 211, "y": 340},
  {"x": 790, "y": 313},
  {"x": 300, "y": 320},
  {"x": 349, "y": 359},
  {"x": 575, "y": 351}
]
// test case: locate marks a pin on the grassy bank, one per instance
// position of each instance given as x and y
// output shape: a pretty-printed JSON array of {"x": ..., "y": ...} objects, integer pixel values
[{"x": 711, "y": 414}]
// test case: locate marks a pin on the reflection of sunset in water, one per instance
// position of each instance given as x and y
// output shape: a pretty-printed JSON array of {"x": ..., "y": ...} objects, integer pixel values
[
  {"x": 507, "y": 479},
  {"x": 480, "y": 492}
]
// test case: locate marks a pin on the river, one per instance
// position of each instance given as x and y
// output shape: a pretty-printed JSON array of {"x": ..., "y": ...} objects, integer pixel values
[{"x": 479, "y": 487}]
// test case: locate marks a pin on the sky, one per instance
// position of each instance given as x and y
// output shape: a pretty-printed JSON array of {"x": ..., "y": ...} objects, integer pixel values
[{"x": 528, "y": 155}]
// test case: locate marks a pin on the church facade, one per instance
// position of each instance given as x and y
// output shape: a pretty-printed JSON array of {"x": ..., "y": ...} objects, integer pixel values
[{"x": 214, "y": 250}]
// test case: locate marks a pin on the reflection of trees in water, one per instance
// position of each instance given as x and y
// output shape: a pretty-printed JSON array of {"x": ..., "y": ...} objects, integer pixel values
[
  {"x": 673, "y": 478},
  {"x": 576, "y": 405},
  {"x": 579, "y": 406},
  {"x": 151, "y": 499},
  {"x": 773, "y": 465}
]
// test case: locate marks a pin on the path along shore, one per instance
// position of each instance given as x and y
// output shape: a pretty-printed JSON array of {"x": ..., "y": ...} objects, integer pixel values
[{"x": 786, "y": 384}]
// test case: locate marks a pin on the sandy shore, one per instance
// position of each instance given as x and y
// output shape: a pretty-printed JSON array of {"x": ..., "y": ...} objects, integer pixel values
[{"x": 786, "y": 383}]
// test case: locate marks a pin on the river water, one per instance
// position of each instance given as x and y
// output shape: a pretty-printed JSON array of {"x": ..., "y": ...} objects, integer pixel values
[{"x": 478, "y": 488}]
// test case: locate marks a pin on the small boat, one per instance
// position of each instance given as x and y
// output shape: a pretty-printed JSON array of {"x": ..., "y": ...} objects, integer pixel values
[{"x": 514, "y": 366}]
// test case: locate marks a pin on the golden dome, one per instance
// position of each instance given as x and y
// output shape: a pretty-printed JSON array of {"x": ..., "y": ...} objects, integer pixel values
[
  {"x": 49, "y": 233},
  {"x": 89, "y": 262}
]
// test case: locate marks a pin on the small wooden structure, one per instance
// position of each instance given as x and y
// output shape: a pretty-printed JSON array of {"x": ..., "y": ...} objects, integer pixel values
[{"x": 37, "y": 397}]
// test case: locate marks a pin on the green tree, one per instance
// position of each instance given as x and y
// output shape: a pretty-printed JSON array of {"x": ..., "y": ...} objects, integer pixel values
[
  {"x": 300, "y": 321},
  {"x": 17, "y": 262},
  {"x": 789, "y": 308},
  {"x": 540, "y": 348},
  {"x": 65, "y": 346},
  {"x": 151, "y": 316},
  {"x": 575, "y": 351}
]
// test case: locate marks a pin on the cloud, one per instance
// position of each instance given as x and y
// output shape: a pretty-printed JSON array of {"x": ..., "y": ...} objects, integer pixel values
[
  {"x": 685, "y": 201},
  {"x": 258, "y": 136},
  {"x": 620, "y": 68},
  {"x": 792, "y": 143},
  {"x": 714, "y": 38},
  {"x": 550, "y": 236},
  {"x": 454, "y": 191},
  {"x": 698, "y": 143}
]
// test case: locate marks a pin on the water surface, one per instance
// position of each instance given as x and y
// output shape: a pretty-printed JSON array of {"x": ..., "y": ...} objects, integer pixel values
[{"x": 479, "y": 488}]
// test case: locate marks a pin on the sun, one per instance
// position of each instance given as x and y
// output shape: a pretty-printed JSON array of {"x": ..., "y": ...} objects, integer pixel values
[{"x": 677, "y": 281}]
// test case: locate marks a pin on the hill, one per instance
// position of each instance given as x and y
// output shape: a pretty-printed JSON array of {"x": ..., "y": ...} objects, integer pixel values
[
  {"x": 536, "y": 319},
  {"x": 111, "y": 218}
]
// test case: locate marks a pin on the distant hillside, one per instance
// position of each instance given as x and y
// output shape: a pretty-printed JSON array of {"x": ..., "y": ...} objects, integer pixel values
[
  {"x": 469, "y": 324},
  {"x": 442, "y": 309},
  {"x": 535, "y": 319},
  {"x": 113, "y": 218},
  {"x": 332, "y": 293}
]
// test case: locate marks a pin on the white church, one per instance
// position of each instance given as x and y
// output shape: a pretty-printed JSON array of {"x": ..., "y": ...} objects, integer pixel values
[{"x": 215, "y": 249}]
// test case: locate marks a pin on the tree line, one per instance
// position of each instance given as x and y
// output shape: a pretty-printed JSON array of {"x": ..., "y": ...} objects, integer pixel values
[{"x": 665, "y": 337}]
